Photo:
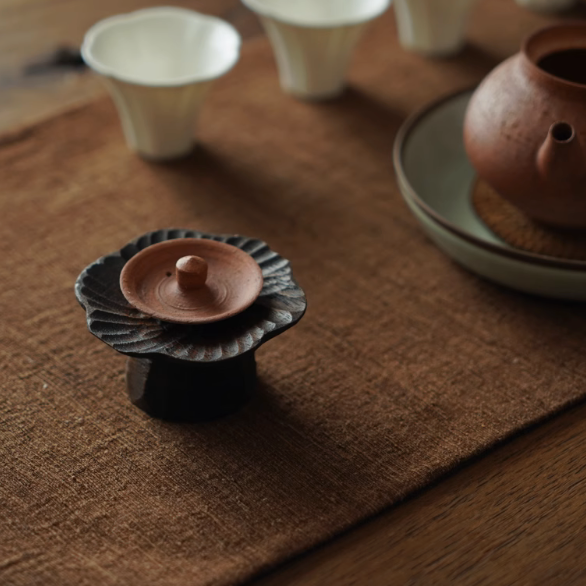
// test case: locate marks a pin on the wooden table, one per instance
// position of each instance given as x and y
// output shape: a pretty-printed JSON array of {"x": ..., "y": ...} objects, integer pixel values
[{"x": 514, "y": 516}]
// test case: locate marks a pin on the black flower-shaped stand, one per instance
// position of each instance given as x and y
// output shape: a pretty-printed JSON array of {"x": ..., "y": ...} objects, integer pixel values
[{"x": 189, "y": 372}]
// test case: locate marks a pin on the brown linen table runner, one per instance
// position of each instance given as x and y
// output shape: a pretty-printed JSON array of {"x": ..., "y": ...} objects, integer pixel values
[{"x": 404, "y": 366}]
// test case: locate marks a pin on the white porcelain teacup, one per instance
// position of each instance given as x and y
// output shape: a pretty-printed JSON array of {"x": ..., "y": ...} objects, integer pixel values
[
  {"x": 432, "y": 27},
  {"x": 313, "y": 40},
  {"x": 159, "y": 64}
]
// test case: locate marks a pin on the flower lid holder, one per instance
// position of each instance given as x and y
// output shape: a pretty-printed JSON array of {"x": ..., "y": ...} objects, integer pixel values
[{"x": 183, "y": 371}]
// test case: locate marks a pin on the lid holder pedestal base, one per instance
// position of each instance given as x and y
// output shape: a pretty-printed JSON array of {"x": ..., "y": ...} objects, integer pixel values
[
  {"x": 188, "y": 391},
  {"x": 180, "y": 371}
]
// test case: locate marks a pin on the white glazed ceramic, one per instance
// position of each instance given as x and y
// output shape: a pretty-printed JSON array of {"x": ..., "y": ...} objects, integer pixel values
[
  {"x": 546, "y": 5},
  {"x": 436, "y": 180},
  {"x": 313, "y": 40},
  {"x": 432, "y": 27},
  {"x": 159, "y": 63}
]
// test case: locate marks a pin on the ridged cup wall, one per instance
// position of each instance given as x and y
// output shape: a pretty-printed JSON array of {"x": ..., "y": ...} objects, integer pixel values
[
  {"x": 432, "y": 27},
  {"x": 313, "y": 42}
]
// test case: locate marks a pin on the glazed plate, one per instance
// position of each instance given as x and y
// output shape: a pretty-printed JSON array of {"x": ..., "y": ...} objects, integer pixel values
[{"x": 436, "y": 180}]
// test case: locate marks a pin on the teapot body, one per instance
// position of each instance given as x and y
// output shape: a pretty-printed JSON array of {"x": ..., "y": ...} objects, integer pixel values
[{"x": 525, "y": 127}]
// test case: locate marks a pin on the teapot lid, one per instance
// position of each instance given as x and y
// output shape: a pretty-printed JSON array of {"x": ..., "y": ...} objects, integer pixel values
[{"x": 191, "y": 280}]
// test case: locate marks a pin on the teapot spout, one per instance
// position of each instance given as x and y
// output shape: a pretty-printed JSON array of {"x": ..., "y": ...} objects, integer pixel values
[{"x": 560, "y": 157}]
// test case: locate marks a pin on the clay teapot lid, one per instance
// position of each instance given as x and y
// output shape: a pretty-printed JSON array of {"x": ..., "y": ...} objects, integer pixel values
[{"x": 191, "y": 280}]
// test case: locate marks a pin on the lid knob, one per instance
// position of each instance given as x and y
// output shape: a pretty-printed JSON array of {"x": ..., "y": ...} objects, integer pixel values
[{"x": 191, "y": 272}]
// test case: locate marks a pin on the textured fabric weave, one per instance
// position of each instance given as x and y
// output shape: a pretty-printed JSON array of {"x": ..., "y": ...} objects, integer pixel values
[{"x": 404, "y": 365}]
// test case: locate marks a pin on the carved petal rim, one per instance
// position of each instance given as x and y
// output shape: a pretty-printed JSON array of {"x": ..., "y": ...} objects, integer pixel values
[{"x": 280, "y": 305}]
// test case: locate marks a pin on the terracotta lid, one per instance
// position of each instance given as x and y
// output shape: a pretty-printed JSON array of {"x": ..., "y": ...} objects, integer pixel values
[{"x": 191, "y": 280}]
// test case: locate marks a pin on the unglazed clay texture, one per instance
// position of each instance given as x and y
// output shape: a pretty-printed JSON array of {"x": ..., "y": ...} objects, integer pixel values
[
  {"x": 436, "y": 180},
  {"x": 191, "y": 280},
  {"x": 525, "y": 127},
  {"x": 159, "y": 64},
  {"x": 116, "y": 322}
]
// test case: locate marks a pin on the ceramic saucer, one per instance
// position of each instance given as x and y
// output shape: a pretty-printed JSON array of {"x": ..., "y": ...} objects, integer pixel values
[{"x": 436, "y": 180}]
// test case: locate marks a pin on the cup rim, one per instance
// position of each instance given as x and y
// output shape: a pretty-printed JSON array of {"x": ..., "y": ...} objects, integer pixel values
[
  {"x": 145, "y": 13},
  {"x": 266, "y": 11}
]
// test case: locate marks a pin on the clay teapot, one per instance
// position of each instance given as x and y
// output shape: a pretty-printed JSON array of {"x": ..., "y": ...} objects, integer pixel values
[{"x": 525, "y": 127}]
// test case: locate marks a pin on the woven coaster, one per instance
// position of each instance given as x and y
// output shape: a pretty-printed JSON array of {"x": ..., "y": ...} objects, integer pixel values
[{"x": 515, "y": 228}]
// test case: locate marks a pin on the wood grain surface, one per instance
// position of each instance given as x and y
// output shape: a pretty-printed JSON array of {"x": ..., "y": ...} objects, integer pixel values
[{"x": 514, "y": 516}]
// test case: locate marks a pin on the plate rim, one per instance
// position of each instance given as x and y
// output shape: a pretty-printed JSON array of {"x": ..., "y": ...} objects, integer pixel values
[{"x": 399, "y": 145}]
